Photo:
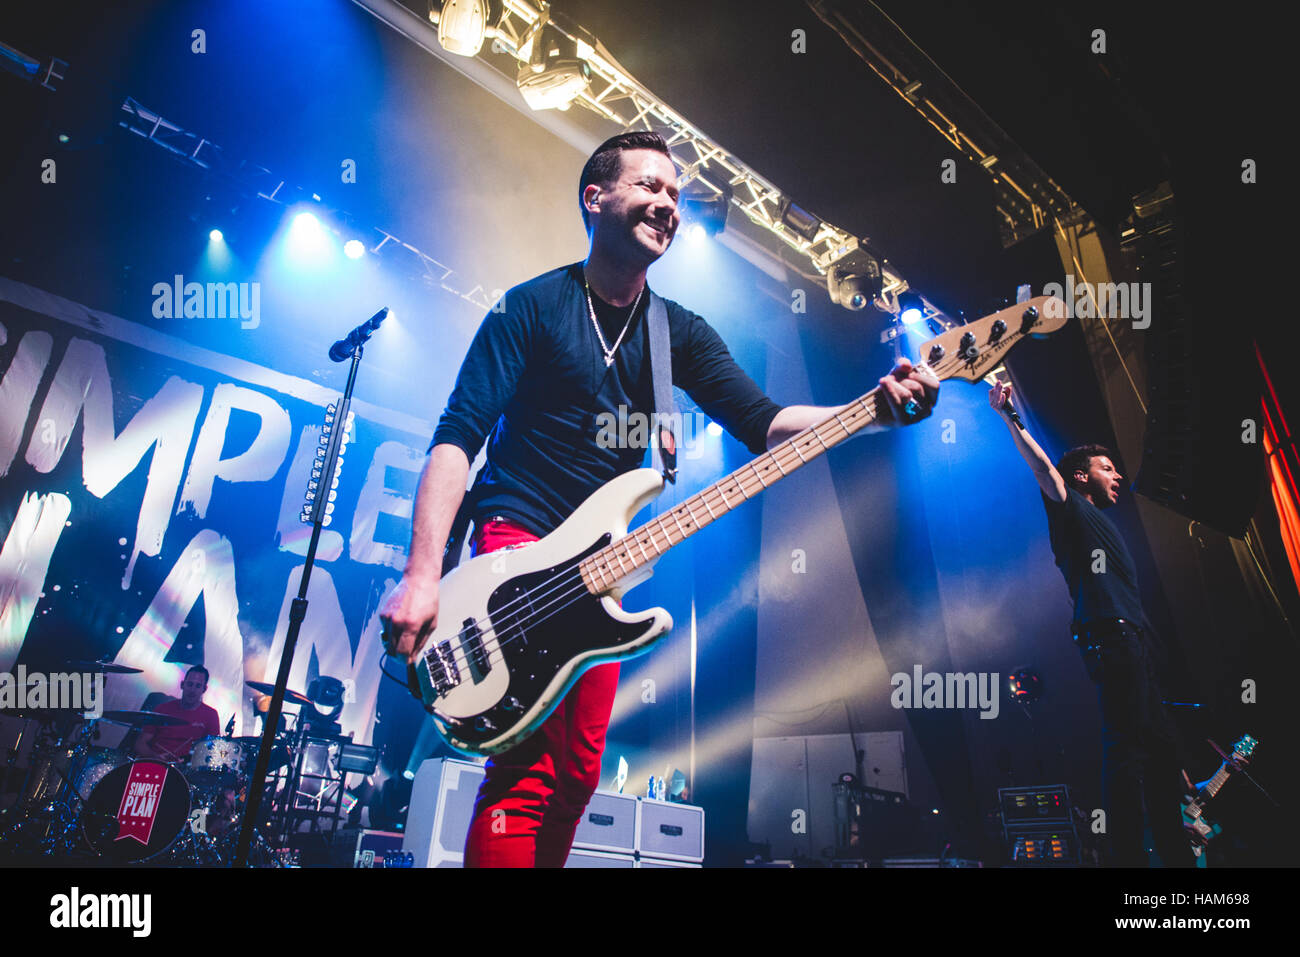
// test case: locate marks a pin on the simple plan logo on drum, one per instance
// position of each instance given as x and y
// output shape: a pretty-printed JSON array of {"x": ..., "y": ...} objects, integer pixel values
[
  {"x": 75, "y": 909},
  {"x": 75, "y": 691}
]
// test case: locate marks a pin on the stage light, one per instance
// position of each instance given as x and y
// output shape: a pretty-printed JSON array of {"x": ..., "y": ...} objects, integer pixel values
[
  {"x": 1024, "y": 686},
  {"x": 713, "y": 429},
  {"x": 354, "y": 249},
  {"x": 799, "y": 220},
  {"x": 554, "y": 74},
  {"x": 695, "y": 232},
  {"x": 462, "y": 24},
  {"x": 556, "y": 86},
  {"x": 308, "y": 241},
  {"x": 854, "y": 280},
  {"x": 216, "y": 236},
  {"x": 911, "y": 308},
  {"x": 706, "y": 210}
]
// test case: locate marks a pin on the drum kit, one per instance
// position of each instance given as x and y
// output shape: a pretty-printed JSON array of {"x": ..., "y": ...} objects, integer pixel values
[{"x": 80, "y": 802}]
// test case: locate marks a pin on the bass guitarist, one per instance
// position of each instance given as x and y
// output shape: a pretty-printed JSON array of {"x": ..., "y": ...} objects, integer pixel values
[{"x": 559, "y": 352}]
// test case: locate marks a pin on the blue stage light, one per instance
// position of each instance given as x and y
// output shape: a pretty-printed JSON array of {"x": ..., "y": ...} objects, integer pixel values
[
  {"x": 713, "y": 429},
  {"x": 216, "y": 236},
  {"x": 354, "y": 249},
  {"x": 911, "y": 308},
  {"x": 308, "y": 242}
]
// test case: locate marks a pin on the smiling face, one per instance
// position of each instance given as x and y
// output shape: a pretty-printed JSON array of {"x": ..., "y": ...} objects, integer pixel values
[
  {"x": 635, "y": 217},
  {"x": 1100, "y": 484}
]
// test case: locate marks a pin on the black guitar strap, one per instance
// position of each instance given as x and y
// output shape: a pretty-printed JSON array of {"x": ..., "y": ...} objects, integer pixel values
[
  {"x": 459, "y": 529},
  {"x": 663, "y": 454}
]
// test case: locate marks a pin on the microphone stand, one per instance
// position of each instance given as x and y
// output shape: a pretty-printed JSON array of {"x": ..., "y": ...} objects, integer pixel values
[{"x": 297, "y": 612}]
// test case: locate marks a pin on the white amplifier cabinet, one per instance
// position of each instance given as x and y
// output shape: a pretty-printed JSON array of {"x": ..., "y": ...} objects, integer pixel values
[
  {"x": 608, "y": 824},
  {"x": 657, "y": 864},
  {"x": 442, "y": 805},
  {"x": 580, "y": 858},
  {"x": 668, "y": 831}
]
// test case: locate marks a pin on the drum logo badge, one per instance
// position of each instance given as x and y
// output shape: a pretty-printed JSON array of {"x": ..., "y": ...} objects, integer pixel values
[{"x": 140, "y": 801}]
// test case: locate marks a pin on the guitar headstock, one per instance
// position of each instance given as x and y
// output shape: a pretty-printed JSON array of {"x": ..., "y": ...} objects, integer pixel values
[
  {"x": 974, "y": 350},
  {"x": 1243, "y": 749}
]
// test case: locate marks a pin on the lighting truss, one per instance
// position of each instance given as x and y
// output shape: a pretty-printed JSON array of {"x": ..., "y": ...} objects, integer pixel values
[
  {"x": 1026, "y": 197},
  {"x": 616, "y": 96},
  {"x": 198, "y": 151}
]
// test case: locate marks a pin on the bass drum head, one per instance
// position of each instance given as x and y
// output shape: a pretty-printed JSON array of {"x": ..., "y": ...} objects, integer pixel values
[
  {"x": 136, "y": 811},
  {"x": 99, "y": 762}
]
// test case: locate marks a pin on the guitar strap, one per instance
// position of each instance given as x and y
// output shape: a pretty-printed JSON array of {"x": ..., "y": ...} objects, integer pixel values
[
  {"x": 459, "y": 529},
  {"x": 663, "y": 454}
]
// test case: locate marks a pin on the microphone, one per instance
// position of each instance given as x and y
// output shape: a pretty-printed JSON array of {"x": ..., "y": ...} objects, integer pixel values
[
  {"x": 1013, "y": 415},
  {"x": 344, "y": 348},
  {"x": 230, "y": 725}
]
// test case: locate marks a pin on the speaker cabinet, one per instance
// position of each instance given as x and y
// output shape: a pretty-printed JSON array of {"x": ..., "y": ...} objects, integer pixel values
[
  {"x": 442, "y": 805},
  {"x": 668, "y": 831},
  {"x": 608, "y": 824}
]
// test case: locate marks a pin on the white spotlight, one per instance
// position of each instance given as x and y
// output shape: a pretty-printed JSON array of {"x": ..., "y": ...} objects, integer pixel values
[
  {"x": 354, "y": 249},
  {"x": 462, "y": 26}
]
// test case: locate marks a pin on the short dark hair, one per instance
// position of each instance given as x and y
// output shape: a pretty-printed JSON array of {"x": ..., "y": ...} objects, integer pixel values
[
  {"x": 206, "y": 676},
  {"x": 1079, "y": 459},
  {"x": 607, "y": 162}
]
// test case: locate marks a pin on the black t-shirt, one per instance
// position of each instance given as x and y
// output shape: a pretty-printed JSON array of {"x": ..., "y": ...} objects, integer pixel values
[
  {"x": 536, "y": 378},
  {"x": 1094, "y": 560}
]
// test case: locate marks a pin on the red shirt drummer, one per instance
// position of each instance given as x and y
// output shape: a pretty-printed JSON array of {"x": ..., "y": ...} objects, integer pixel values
[{"x": 175, "y": 742}]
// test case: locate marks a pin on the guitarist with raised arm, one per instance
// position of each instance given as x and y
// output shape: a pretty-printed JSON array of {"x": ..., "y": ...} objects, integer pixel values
[
  {"x": 1139, "y": 750},
  {"x": 560, "y": 353}
]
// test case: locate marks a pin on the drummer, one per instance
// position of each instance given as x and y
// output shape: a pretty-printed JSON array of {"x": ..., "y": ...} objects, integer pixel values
[{"x": 175, "y": 742}]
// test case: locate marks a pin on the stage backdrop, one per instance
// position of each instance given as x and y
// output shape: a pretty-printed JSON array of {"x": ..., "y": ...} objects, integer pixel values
[{"x": 155, "y": 490}]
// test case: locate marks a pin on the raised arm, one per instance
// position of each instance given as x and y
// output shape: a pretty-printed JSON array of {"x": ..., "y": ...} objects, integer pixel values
[{"x": 1049, "y": 480}]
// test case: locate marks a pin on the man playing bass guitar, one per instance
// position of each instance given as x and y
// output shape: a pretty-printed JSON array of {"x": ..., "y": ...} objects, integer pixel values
[{"x": 558, "y": 352}]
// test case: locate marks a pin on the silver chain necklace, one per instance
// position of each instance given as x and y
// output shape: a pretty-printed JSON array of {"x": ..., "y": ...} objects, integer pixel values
[{"x": 591, "y": 310}]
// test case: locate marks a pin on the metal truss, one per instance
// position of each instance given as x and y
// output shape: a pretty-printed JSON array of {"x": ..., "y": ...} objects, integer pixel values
[
  {"x": 1027, "y": 198},
  {"x": 198, "y": 151},
  {"x": 616, "y": 96}
]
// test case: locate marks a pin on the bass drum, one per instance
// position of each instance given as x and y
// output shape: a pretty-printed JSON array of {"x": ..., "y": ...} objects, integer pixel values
[
  {"x": 99, "y": 762},
  {"x": 136, "y": 811}
]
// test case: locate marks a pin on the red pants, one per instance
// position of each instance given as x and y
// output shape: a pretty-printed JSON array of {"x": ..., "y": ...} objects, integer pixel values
[{"x": 533, "y": 795}]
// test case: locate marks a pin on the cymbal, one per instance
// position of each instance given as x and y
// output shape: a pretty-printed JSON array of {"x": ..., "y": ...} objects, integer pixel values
[
  {"x": 290, "y": 697},
  {"x": 103, "y": 667},
  {"x": 135, "y": 719}
]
